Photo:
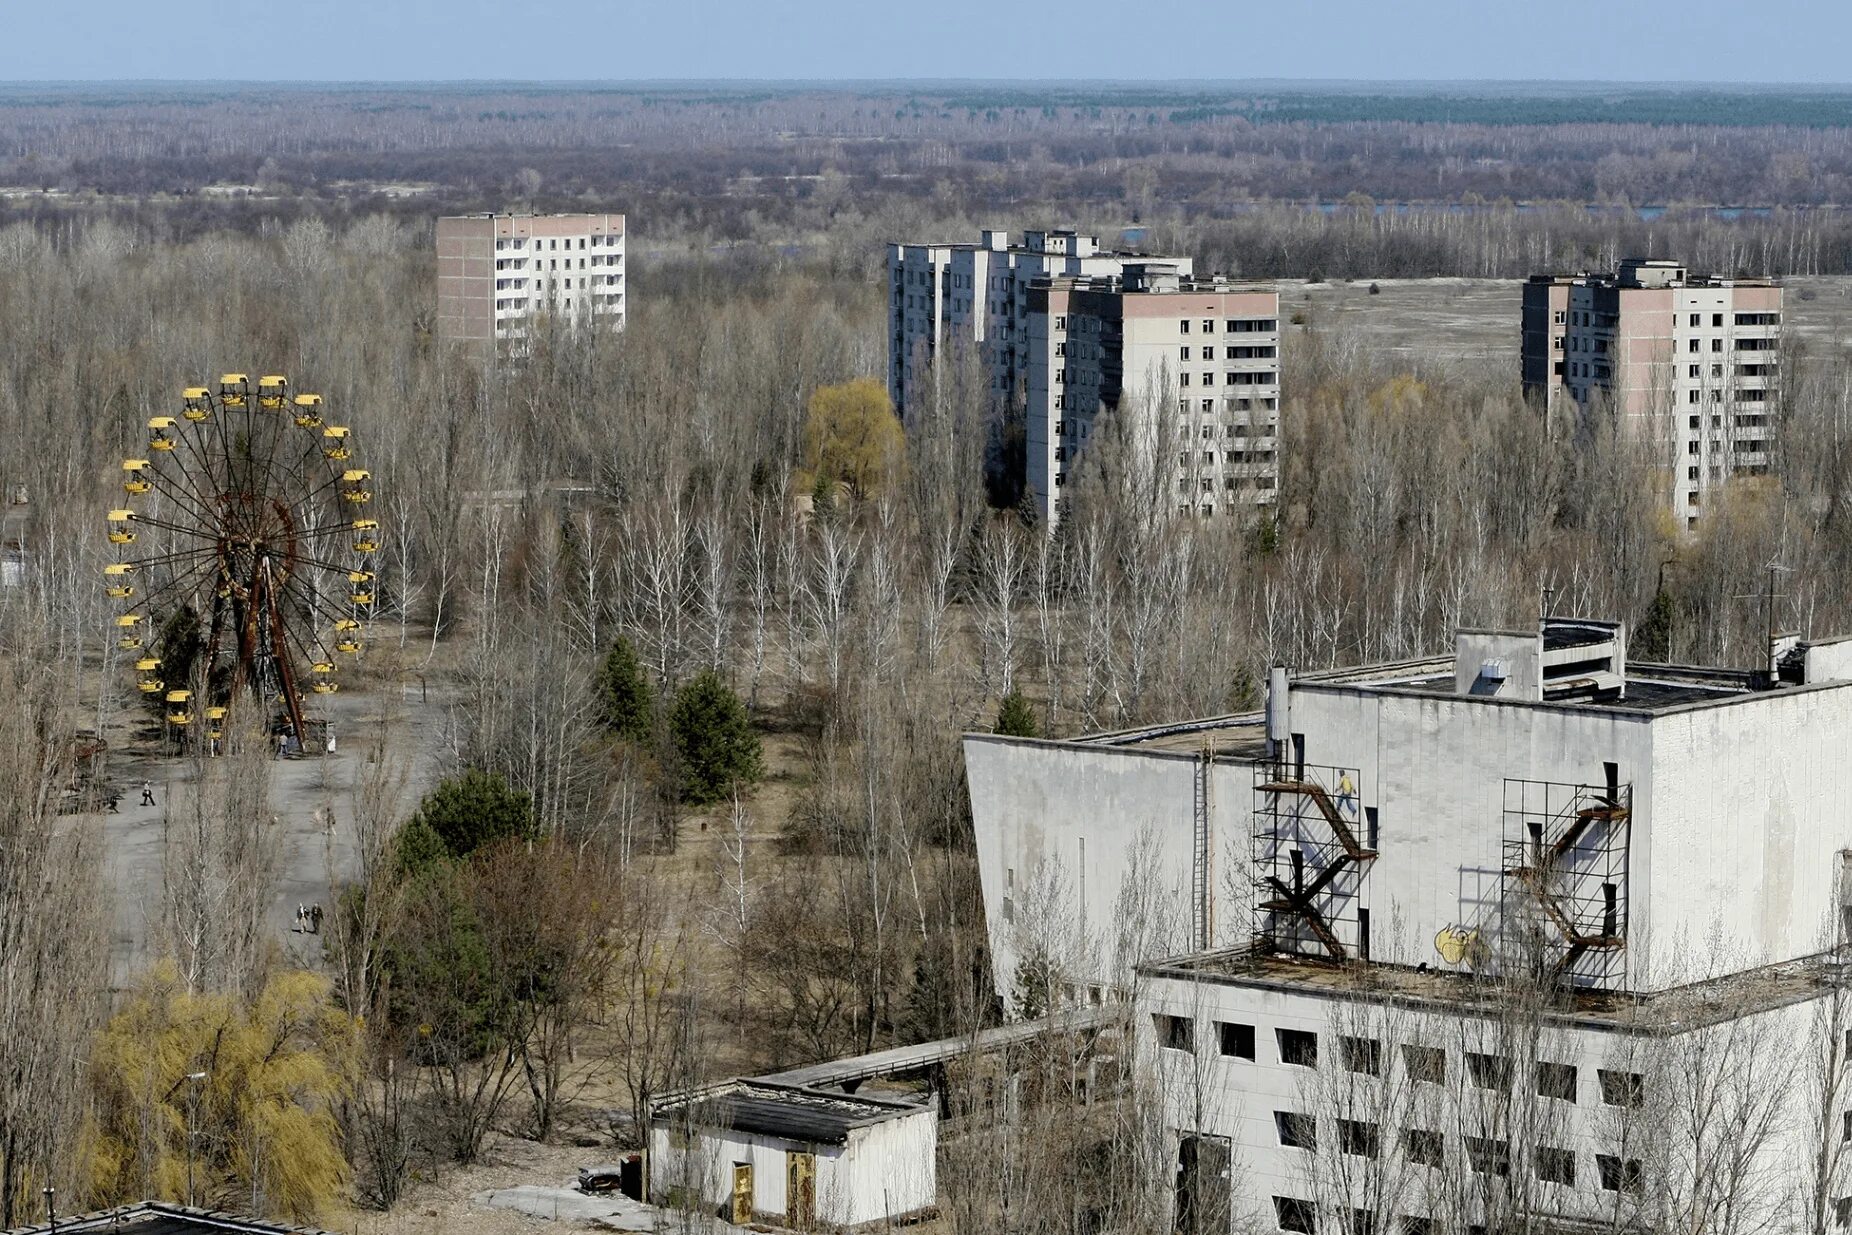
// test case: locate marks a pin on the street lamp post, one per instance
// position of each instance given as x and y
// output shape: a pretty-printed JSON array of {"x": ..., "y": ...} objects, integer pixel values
[{"x": 191, "y": 1080}]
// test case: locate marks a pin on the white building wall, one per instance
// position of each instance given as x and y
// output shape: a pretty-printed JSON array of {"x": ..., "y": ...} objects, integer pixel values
[
  {"x": 1062, "y": 829},
  {"x": 1751, "y": 804},
  {"x": 1435, "y": 767},
  {"x": 887, "y": 1170},
  {"x": 707, "y": 1166},
  {"x": 1204, "y": 1091}
]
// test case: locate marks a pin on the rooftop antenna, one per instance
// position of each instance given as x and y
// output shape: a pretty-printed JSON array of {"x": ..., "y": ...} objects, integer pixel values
[{"x": 1768, "y": 595}]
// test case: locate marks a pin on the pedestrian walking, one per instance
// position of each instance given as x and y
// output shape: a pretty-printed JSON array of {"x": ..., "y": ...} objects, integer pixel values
[
  {"x": 147, "y": 794},
  {"x": 114, "y": 798}
]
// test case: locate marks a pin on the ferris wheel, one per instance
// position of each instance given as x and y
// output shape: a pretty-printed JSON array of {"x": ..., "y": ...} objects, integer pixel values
[{"x": 243, "y": 555}]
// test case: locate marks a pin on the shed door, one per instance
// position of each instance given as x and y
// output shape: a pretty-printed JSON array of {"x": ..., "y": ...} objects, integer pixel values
[
  {"x": 742, "y": 1193},
  {"x": 800, "y": 1188}
]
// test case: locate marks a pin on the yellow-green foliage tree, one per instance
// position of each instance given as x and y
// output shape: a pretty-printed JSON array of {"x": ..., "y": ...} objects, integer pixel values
[
  {"x": 853, "y": 438},
  {"x": 260, "y": 1123}
]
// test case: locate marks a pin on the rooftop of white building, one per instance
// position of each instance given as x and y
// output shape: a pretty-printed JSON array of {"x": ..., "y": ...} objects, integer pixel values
[{"x": 1674, "y": 1010}]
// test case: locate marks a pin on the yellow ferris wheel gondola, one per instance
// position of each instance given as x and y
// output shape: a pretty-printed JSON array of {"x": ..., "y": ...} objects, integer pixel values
[
  {"x": 324, "y": 683},
  {"x": 119, "y": 533},
  {"x": 272, "y": 390},
  {"x": 135, "y": 474},
  {"x": 360, "y": 593},
  {"x": 196, "y": 403},
  {"x": 355, "y": 486},
  {"x": 161, "y": 432},
  {"x": 334, "y": 443},
  {"x": 147, "y": 681},
  {"x": 234, "y": 388},
  {"x": 178, "y": 713},
  {"x": 130, "y": 626},
  {"x": 366, "y": 535},
  {"x": 308, "y": 411},
  {"x": 117, "y": 575}
]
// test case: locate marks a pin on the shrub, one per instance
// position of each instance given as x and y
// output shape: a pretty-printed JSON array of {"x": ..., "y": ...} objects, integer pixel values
[
  {"x": 464, "y": 814},
  {"x": 1016, "y": 718},
  {"x": 625, "y": 699},
  {"x": 714, "y": 740}
]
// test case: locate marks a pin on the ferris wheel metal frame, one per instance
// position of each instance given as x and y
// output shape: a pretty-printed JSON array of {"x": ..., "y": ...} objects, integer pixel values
[{"x": 246, "y": 514}]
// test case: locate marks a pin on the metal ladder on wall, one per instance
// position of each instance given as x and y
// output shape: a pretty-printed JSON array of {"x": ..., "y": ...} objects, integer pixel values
[{"x": 1202, "y": 857}]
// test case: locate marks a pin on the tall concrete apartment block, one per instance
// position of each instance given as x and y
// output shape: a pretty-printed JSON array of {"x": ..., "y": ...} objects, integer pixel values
[
  {"x": 1195, "y": 363},
  {"x": 1658, "y": 854},
  {"x": 498, "y": 273},
  {"x": 940, "y": 295},
  {"x": 1691, "y": 361}
]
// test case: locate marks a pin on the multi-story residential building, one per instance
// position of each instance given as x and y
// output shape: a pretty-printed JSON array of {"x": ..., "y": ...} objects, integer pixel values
[
  {"x": 944, "y": 295},
  {"x": 1193, "y": 363},
  {"x": 498, "y": 273},
  {"x": 1528, "y": 932},
  {"x": 1689, "y": 361}
]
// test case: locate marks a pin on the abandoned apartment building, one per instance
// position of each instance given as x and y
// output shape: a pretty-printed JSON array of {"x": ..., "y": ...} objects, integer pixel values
[{"x": 1322, "y": 912}]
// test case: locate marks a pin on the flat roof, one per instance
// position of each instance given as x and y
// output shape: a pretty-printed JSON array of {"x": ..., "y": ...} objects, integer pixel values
[
  {"x": 789, "y": 1112},
  {"x": 161, "y": 1218},
  {"x": 1676, "y": 1010}
]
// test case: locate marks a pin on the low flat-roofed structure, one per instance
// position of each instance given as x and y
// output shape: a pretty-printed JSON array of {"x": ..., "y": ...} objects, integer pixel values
[
  {"x": 161, "y": 1218},
  {"x": 749, "y": 1148}
]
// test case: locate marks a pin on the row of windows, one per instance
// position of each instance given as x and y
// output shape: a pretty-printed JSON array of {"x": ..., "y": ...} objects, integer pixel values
[
  {"x": 1264, "y": 377},
  {"x": 1428, "y": 1064},
  {"x": 1615, "y": 1174},
  {"x": 1207, "y": 510},
  {"x": 1228, "y": 456},
  {"x": 552, "y": 243},
  {"x": 1485, "y": 1155},
  {"x": 1235, "y": 325},
  {"x": 1229, "y": 353},
  {"x": 1736, "y": 396}
]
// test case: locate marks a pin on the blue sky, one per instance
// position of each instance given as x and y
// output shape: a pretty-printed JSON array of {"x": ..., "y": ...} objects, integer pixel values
[{"x": 1787, "y": 41}]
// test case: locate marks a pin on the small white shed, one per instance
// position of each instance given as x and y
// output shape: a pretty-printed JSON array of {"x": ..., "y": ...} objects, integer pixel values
[{"x": 750, "y": 1149}]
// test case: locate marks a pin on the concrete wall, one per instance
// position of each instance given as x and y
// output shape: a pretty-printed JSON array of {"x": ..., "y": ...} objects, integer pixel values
[
  {"x": 1435, "y": 769},
  {"x": 1203, "y": 1091},
  {"x": 1747, "y": 817},
  {"x": 1061, "y": 828}
]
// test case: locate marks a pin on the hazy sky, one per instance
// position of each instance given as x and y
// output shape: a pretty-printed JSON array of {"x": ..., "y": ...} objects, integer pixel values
[{"x": 1625, "y": 40}]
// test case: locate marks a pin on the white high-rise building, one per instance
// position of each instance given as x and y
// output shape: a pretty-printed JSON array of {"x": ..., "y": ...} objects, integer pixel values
[
  {"x": 498, "y": 273},
  {"x": 1691, "y": 362},
  {"x": 1193, "y": 363},
  {"x": 942, "y": 295}
]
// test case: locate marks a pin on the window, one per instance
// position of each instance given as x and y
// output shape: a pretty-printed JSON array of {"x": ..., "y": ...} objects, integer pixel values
[
  {"x": 1423, "y": 1147},
  {"x": 1692, "y": 346},
  {"x": 1296, "y": 1131},
  {"x": 1425, "y": 1063},
  {"x": 1361, "y": 1222},
  {"x": 1183, "y": 379},
  {"x": 1618, "y": 1175},
  {"x": 1208, "y": 328},
  {"x": 1694, "y": 371},
  {"x": 1716, "y": 345},
  {"x": 1174, "y": 1032},
  {"x": 1183, "y": 353},
  {"x": 1555, "y": 1166},
  {"x": 1488, "y": 1071},
  {"x": 1695, "y": 420},
  {"x": 1716, "y": 320},
  {"x": 1361, "y": 1055},
  {"x": 1412, "y": 1225},
  {"x": 1183, "y": 325},
  {"x": 1357, "y": 1139},
  {"x": 1487, "y": 1156},
  {"x": 1622, "y": 1088},
  {"x": 1298, "y": 1047},
  {"x": 1294, "y": 1215},
  {"x": 1556, "y": 1080},
  {"x": 1695, "y": 319},
  {"x": 1846, "y": 1135}
]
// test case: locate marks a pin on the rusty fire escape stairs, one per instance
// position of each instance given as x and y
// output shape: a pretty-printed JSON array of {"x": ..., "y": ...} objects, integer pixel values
[
  {"x": 1537, "y": 877},
  {"x": 1300, "y": 899}
]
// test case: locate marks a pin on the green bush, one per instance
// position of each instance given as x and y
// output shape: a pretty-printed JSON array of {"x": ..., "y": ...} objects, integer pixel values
[
  {"x": 625, "y": 699},
  {"x": 464, "y": 814},
  {"x": 1016, "y": 718},
  {"x": 714, "y": 740}
]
